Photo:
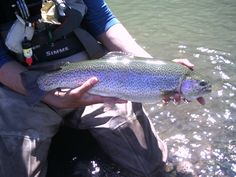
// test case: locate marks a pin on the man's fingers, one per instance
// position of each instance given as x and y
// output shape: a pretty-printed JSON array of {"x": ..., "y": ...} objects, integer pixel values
[
  {"x": 85, "y": 87},
  {"x": 201, "y": 100},
  {"x": 166, "y": 99},
  {"x": 177, "y": 98},
  {"x": 185, "y": 62}
]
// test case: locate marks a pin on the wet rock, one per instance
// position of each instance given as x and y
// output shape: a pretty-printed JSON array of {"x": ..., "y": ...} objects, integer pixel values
[
  {"x": 185, "y": 169},
  {"x": 169, "y": 167}
]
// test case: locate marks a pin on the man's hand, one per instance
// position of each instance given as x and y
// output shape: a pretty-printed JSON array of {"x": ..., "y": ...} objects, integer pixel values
[
  {"x": 185, "y": 62},
  {"x": 177, "y": 96},
  {"x": 74, "y": 98}
]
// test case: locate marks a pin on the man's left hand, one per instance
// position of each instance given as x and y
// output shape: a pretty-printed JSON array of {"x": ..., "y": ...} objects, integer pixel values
[{"x": 177, "y": 97}]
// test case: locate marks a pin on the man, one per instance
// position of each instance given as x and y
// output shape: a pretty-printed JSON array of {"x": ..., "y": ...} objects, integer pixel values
[{"x": 123, "y": 131}]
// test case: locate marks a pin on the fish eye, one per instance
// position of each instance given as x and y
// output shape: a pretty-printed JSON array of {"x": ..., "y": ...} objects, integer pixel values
[{"x": 203, "y": 83}]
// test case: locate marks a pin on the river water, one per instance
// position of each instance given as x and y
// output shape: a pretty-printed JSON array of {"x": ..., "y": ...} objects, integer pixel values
[{"x": 203, "y": 31}]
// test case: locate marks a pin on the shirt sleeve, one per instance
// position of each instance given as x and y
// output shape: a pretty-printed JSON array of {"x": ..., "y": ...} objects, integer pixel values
[
  {"x": 99, "y": 18},
  {"x": 4, "y": 56}
]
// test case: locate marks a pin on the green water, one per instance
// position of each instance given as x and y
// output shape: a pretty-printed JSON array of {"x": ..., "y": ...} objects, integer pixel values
[
  {"x": 203, "y": 31},
  {"x": 161, "y": 26}
]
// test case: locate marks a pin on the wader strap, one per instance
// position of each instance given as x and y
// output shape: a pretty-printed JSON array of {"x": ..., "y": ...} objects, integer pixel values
[
  {"x": 72, "y": 23},
  {"x": 93, "y": 48}
]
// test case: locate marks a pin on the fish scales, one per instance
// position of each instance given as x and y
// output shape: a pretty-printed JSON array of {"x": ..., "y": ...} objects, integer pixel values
[{"x": 133, "y": 79}]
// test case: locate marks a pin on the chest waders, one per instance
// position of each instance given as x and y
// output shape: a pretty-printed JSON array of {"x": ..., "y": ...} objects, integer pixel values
[{"x": 27, "y": 37}]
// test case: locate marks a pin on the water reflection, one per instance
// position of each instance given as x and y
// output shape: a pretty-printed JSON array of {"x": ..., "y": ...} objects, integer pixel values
[
  {"x": 204, "y": 135},
  {"x": 204, "y": 32}
]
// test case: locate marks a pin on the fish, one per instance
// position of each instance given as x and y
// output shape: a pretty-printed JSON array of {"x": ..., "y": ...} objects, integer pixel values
[{"x": 124, "y": 76}]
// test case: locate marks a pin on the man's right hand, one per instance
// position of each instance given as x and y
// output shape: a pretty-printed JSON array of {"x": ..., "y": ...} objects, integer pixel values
[{"x": 74, "y": 98}]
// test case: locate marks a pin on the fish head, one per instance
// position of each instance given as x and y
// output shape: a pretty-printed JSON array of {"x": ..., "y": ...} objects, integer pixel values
[{"x": 194, "y": 86}]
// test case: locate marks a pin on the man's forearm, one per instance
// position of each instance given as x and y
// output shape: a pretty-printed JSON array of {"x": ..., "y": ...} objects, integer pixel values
[
  {"x": 117, "y": 38},
  {"x": 10, "y": 76}
]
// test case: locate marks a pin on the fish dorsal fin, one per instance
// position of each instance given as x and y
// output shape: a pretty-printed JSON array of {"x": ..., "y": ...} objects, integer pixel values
[{"x": 118, "y": 55}]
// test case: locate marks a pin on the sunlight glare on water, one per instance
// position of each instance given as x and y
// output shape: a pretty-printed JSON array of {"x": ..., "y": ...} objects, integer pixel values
[{"x": 204, "y": 32}]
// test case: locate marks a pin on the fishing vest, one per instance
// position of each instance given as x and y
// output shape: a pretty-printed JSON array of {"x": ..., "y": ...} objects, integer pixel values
[{"x": 36, "y": 31}]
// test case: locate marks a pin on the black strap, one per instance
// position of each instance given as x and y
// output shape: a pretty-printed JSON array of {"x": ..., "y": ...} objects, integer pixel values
[
  {"x": 93, "y": 48},
  {"x": 72, "y": 23},
  {"x": 6, "y": 11}
]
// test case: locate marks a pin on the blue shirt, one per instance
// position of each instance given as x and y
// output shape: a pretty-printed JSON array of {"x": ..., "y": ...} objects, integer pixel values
[{"x": 98, "y": 19}]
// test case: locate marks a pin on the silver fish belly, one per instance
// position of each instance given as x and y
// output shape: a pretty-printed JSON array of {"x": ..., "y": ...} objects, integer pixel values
[{"x": 137, "y": 80}]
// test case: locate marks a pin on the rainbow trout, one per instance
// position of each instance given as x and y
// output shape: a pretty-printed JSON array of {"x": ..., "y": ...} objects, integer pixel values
[{"x": 126, "y": 77}]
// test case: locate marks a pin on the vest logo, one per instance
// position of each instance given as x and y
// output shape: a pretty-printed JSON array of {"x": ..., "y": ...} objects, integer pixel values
[{"x": 57, "y": 51}]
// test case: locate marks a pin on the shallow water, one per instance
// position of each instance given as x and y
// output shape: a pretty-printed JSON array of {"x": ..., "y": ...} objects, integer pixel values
[{"x": 203, "y": 31}]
